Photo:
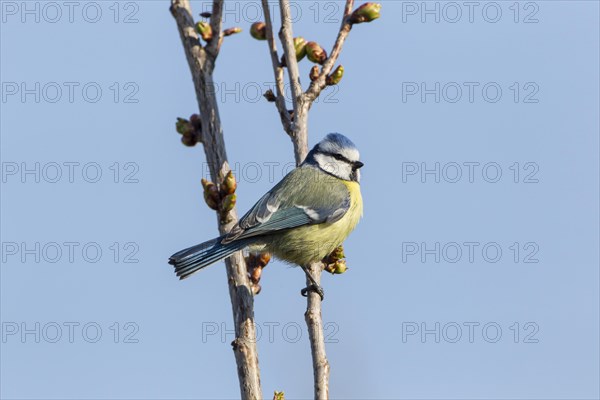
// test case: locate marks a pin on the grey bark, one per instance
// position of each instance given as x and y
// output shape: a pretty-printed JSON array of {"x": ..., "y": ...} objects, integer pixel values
[
  {"x": 201, "y": 61},
  {"x": 297, "y": 129}
]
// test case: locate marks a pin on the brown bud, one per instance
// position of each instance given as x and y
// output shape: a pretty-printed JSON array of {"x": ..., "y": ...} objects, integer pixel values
[
  {"x": 232, "y": 31},
  {"x": 204, "y": 30},
  {"x": 229, "y": 184},
  {"x": 228, "y": 203},
  {"x": 264, "y": 259},
  {"x": 256, "y": 289},
  {"x": 211, "y": 194},
  {"x": 338, "y": 267},
  {"x": 189, "y": 139},
  {"x": 251, "y": 261},
  {"x": 336, "y": 255},
  {"x": 255, "y": 275},
  {"x": 300, "y": 46},
  {"x": 258, "y": 31},
  {"x": 314, "y": 73},
  {"x": 365, "y": 13},
  {"x": 336, "y": 76},
  {"x": 183, "y": 126},
  {"x": 196, "y": 122},
  {"x": 330, "y": 268},
  {"x": 315, "y": 53},
  {"x": 270, "y": 96}
]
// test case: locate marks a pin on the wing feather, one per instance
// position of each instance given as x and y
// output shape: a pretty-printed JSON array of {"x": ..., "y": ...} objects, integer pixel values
[{"x": 275, "y": 212}]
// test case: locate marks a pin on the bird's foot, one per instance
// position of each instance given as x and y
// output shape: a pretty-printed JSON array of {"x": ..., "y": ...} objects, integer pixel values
[{"x": 313, "y": 288}]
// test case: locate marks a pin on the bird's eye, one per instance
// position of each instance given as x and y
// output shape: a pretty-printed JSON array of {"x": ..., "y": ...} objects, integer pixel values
[{"x": 338, "y": 157}]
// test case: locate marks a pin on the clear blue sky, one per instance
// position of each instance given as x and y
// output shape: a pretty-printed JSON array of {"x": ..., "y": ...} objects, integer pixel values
[{"x": 462, "y": 283}]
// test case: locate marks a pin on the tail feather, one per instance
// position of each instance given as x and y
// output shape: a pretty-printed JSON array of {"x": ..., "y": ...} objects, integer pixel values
[{"x": 192, "y": 259}]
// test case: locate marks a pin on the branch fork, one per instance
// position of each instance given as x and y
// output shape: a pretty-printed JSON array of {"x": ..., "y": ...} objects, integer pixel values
[
  {"x": 297, "y": 129},
  {"x": 201, "y": 59}
]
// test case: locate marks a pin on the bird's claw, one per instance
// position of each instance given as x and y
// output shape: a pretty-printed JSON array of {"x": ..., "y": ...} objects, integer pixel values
[{"x": 313, "y": 288}]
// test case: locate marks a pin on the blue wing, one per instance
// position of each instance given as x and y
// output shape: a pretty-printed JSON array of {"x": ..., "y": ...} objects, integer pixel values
[{"x": 293, "y": 203}]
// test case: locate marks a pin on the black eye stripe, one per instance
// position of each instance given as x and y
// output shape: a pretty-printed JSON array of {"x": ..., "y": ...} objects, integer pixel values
[{"x": 337, "y": 157}]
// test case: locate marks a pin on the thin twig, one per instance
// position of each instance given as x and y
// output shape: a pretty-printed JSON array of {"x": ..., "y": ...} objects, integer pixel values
[
  {"x": 277, "y": 70},
  {"x": 216, "y": 22},
  {"x": 319, "y": 84},
  {"x": 201, "y": 63},
  {"x": 314, "y": 323},
  {"x": 286, "y": 35},
  {"x": 299, "y": 125},
  {"x": 313, "y": 316},
  {"x": 298, "y": 131}
]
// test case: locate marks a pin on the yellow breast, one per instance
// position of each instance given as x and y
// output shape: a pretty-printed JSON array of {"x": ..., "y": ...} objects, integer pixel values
[
  {"x": 313, "y": 242},
  {"x": 355, "y": 212}
]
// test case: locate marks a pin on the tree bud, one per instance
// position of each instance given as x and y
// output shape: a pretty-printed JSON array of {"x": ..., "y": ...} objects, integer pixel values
[
  {"x": 196, "y": 122},
  {"x": 314, "y": 73},
  {"x": 336, "y": 76},
  {"x": 270, "y": 96},
  {"x": 256, "y": 288},
  {"x": 211, "y": 194},
  {"x": 183, "y": 126},
  {"x": 263, "y": 259},
  {"x": 337, "y": 254},
  {"x": 365, "y": 13},
  {"x": 189, "y": 139},
  {"x": 258, "y": 30},
  {"x": 279, "y": 396},
  {"x": 232, "y": 31},
  {"x": 300, "y": 46},
  {"x": 228, "y": 202},
  {"x": 315, "y": 53},
  {"x": 204, "y": 30},
  {"x": 255, "y": 275},
  {"x": 340, "y": 267},
  {"x": 229, "y": 184}
]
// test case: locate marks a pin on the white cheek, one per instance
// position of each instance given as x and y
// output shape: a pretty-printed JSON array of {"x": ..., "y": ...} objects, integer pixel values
[
  {"x": 346, "y": 171},
  {"x": 333, "y": 166},
  {"x": 327, "y": 163}
]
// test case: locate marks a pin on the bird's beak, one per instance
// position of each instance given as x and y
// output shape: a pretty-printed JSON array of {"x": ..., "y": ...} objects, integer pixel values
[{"x": 357, "y": 164}]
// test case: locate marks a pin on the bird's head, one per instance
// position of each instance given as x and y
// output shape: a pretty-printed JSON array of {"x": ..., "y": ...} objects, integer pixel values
[{"x": 337, "y": 156}]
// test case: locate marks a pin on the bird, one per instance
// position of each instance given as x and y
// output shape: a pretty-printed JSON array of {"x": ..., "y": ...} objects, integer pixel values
[{"x": 301, "y": 220}]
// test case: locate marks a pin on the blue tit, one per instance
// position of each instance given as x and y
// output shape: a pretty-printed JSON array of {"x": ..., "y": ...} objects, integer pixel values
[{"x": 300, "y": 220}]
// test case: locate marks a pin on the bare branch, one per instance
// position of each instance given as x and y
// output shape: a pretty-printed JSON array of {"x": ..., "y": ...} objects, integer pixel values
[
  {"x": 319, "y": 84},
  {"x": 314, "y": 323},
  {"x": 216, "y": 22},
  {"x": 302, "y": 104},
  {"x": 286, "y": 35},
  {"x": 277, "y": 70},
  {"x": 305, "y": 100},
  {"x": 299, "y": 137},
  {"x": 201, "y": 63},
  {"x": 191, "y": 42}
]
